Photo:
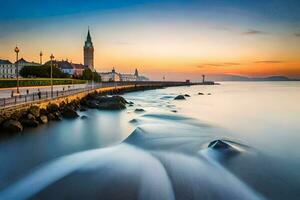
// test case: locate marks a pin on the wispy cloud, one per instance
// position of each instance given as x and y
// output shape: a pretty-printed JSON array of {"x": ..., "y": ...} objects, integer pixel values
[
  {"x": 254, "y": 32},
  {"x": 297, "y": 34},
  {"x": 269, "y": 62},
  {"x": 224, "y": 64}
]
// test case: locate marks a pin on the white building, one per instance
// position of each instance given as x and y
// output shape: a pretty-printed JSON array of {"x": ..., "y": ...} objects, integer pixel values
[
  {"x": 110, "y": 76},
  {"x": 114, "y": 76},
  {"x": 7, "y": 69}
]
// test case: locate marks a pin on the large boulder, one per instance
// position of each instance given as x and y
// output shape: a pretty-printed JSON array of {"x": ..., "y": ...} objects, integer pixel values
[
  {"x": 34, "y": 110},
  {"x": 69, "y": 113},
  {"x": 219, "y": 144},
  {"x": 52, "y": 107},
  {"x": 187, "y": 95},
  {"x": 139, "y": 110},
  {"x": 30, "y": 122},
  {"x": 180, "y": 97},
  {"x": 12, "y": 126},
  {"x": 111, "y": 106},
  {"x": 43, "y": 119}
]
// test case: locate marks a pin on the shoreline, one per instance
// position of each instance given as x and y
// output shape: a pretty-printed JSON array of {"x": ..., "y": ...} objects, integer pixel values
[{"x": 14, "y": 120}]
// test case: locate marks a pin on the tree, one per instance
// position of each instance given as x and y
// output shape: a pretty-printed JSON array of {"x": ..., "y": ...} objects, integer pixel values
[
  {"x": 42, "y": 72},
  {"x": 87, "y": 74}
]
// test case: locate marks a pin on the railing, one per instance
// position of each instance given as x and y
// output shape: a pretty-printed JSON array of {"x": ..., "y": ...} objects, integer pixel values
[{"x": 44, "y": 95}]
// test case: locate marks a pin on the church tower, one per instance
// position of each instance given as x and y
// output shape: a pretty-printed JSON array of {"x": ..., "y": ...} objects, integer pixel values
[{"x": 88, "y": 52}]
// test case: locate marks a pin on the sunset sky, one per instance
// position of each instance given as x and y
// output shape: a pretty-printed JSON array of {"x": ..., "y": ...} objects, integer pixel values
[{"x": 176, "y": 39}]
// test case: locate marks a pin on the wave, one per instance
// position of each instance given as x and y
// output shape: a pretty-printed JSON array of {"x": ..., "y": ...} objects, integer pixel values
[{"x": 166, "y": 157}]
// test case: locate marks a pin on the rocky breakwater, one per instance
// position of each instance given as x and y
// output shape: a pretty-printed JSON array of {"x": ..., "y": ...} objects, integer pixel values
[{"x": 35, "y": 115}]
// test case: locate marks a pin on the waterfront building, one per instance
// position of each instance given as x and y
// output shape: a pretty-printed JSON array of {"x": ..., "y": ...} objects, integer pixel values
[
  {"x": 114, "y": 76},
  {"x": 22, "y": 63},
  {"x": 88, "y": 52},
  {"x": 110, "y": 76},
  {"x": 7, "y": 69},
  {"x": 78, "y": 69}
]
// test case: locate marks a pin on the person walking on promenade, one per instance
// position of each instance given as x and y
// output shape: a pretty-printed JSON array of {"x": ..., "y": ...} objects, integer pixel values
[
  {"x": 27, "y": 91},
  {"x": 12, "y": 93},
  {"x": 39, "y": 94}
]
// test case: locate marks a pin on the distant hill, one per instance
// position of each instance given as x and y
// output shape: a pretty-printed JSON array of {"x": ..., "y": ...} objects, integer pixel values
[{"x": 244, "y": 78}]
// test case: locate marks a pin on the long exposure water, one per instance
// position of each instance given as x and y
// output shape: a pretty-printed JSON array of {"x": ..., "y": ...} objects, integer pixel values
[{"x": 163, "y": 153}]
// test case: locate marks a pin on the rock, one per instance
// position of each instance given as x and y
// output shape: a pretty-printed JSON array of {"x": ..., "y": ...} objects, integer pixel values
[
  {"x": 51, "y": 116},
  {"x": 111, "y": 106},
  {"x": 174, "y": 111},
  {"x": 219, "y": 144},
  {"x": 69, "y": 113},
  {"x": 35, "y": 110},
  {"x": 179, "y": 97},
  {"x": 208, "y": 93},
  {"x": 82, "y": 109},
  {"x": 130, "y": 103},
  {"x": 200, "y": 93},
  {"x": 52, "y": 107},
  {"x": 139, "y": 110},
  {"x": 30, "y": 122},
  {"x": 43, "y": 119},
  {"x": 57, "y": 116},
  {"x": 30, "y": 116},
  {"x": 43, "y": 111},
  {"x": 12, "y": 126},
  {"x": 83, "y": 117},
  {"x": 186, "y": 95}
]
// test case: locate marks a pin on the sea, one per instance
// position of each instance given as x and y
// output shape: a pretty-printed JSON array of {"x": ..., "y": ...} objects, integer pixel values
[{"x": 236, "y": 140}]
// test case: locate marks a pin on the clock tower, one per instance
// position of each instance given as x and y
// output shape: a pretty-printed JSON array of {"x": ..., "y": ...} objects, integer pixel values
[{"x": 88, "y": 52}]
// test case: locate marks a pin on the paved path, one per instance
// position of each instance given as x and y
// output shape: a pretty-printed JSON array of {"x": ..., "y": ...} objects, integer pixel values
[{"x": 6, "y": 92}]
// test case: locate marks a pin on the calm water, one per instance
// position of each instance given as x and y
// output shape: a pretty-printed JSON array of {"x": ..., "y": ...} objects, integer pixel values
[{"x": 162, "y": 153}]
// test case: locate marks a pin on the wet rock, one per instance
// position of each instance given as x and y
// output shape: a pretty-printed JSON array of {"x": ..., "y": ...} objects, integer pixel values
[
  {"x": 30, "y": 116},
  {"x": 69, "y": 113},
  {"x": 12, "y": 126},
  {"x": 57, "y": 116},
  {"x": 208, "y": 93},
  {"x": 187, "y": 95},
  {"x": 130, "y": 103},
  {"x": 200, "y": 93},
  {"x": 29, "y": 122},
  {"x": 174, "y": 111},
  {"x": 82, "y": 109},
  {"x": 52, "y": 107},
  {"x": 139, "y": 110},
  {"x": 219, "y": 144},
  {"x": 43, "y": 119},
  {"x": 83, "y": 117},
  {"x": 43, "y": 111},
  {"x": 34, "y": 110},
  {"x": 111, "y": 106},
  {"x": 101, "y": 102},
  {"x": 51, "y": 116},
  {"x": 179, "y": 97}
]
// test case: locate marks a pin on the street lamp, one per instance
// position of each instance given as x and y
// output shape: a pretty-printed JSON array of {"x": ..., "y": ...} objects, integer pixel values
[
  {"x": 41, "y": 57},
  {"x": 51, "y": 58},
  {"x": 17, "y": 50}
]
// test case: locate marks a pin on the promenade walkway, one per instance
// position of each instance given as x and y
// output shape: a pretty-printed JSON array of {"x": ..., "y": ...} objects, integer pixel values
[{"x": 58, "y": 92}]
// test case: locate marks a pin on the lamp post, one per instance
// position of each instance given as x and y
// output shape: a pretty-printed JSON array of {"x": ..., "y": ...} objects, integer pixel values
[
  {"x": 17, "y": 50},
  {"x": 92, "y": 78},
  {"x": 51, "y": 76},
  {"x": 203, "y": 78},
  {"x": 41, "y": 57}
]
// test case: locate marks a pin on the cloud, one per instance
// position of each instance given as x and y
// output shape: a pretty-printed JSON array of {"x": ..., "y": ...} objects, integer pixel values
[
  {"x": 269, "y": 62},
  {"x": 297, "y": 34},
  {"x": 224, "y": 64},
  {"x": 254, "y": 32}
]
